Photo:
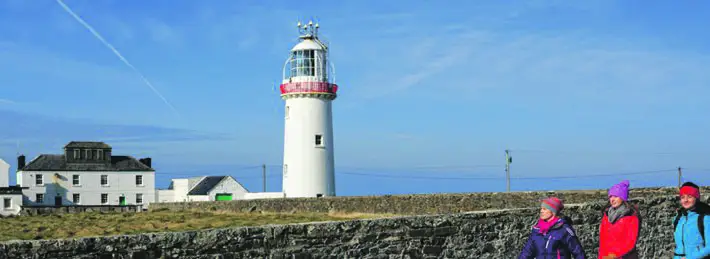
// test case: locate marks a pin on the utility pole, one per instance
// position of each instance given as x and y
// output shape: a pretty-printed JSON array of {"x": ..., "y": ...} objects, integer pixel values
[
  {"x": 680, "y": 176},
  {"x": 508, "y": 160},
  {"x": 263, "y": 172}
]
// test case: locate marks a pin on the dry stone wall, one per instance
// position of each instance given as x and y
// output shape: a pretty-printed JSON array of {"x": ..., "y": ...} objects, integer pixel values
[
  {"x": 491, "y": 234},
  {"x": 52, "y": 210},
  {"x": 410, "y": 204}
]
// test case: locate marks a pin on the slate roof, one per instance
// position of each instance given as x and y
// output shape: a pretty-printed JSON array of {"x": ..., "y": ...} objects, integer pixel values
[
  {"x": 87, "y": 144},
  {"x": 204, "y": 187},
  {"x": 59, "y": 163},
  {"x": 12, "y": 190}
]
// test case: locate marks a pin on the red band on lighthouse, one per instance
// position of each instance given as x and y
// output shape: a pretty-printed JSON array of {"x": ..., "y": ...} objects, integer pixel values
[{"x": 308, "y": 87}]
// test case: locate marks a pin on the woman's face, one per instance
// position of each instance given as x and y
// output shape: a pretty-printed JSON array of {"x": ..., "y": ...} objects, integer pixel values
[
  {"x": 545, "y": 214},
  {"x": 615, "y": 201},
  {"x": 687, "y": 201}
]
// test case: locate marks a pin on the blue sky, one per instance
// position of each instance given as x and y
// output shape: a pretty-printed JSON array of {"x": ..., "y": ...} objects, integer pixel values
[{"x": 430, "y": 95}]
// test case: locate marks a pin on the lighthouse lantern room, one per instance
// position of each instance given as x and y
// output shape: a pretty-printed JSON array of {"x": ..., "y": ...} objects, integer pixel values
[{"x": 308, "y": 89}]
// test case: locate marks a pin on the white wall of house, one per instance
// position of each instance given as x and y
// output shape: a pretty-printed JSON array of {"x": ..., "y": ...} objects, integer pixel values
[
  {"x": 4, "y": 173},
  {"x": 180, "y": 188},
  {"x": 228, "y": 185},
  {"x": 15, "y": 204},
  {"x": 198, "y": 198},
  {"x": 89, "y": 187},
  {"x": 164, "y": 195},
  {"x": 263, "y": 195}
]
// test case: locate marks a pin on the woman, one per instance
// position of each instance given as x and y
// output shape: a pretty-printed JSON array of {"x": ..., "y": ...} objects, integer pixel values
[
  {"x": 619, "y": 229},
  {"x": 553, "y": 236},
  {"x": 692, "y": 225}
]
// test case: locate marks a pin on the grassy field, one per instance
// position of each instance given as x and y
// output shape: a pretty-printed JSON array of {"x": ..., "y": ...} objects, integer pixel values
[{"x": 98, "y": 224}]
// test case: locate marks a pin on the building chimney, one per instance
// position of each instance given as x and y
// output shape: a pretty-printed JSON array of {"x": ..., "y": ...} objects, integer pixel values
[
  {"x": 146, "y": 161},
  {"x": 20, "y": 162}
]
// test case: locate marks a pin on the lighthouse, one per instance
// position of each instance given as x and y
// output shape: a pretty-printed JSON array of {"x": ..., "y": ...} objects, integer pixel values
[{"x": 308, "y": 90}]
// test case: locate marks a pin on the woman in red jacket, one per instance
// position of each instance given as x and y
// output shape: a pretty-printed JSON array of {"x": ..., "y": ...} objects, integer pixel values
[{"x": 619, "y": 228}]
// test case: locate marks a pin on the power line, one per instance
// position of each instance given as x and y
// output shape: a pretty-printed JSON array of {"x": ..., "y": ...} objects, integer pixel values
[
  {"x": 422, "y": 167},
  {"x": 423, "y": 177},
  {"x": 595, "y": 175},
  {"x": 698, "y": 169},
  {"x": 502, "y": 178},
  {"x": 601, "y": 152}
]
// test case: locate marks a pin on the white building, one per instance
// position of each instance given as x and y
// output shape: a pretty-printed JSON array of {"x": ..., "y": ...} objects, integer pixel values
[
  {"x": 308, "y": 90},
  {"x": 207, "y": 188},
  {"x": 4, "y": 173},
  {"x": 11, "y": 196},
  {"x": 86, "y": 174}
]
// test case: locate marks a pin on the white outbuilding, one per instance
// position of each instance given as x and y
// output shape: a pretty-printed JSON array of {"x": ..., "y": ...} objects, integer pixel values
[
  {"x": 11, "y": 196},
  {"x": 204, "y": 188}
]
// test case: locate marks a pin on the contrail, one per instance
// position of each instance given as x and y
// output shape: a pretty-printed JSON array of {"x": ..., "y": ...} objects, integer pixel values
[{"x": 118, "y": 54}]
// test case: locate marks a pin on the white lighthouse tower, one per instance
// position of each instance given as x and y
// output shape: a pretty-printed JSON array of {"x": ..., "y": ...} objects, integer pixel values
[{"x": 309, "y": 90}]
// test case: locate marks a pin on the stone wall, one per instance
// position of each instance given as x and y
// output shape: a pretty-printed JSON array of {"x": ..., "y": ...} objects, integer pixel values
[
  {"x": 48, "y": 210},
  {"x": 409, "y": 204},
  {"x": 491, "y": 234}
]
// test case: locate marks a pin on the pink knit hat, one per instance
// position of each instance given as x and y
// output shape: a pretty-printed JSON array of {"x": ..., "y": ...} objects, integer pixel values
[{"x": 553, "y": 204}]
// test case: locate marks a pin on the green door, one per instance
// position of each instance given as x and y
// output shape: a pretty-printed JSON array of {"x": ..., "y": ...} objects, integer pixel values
[
  {"x": 223, "y": 197},
  {"x": 122, "y": 201}
]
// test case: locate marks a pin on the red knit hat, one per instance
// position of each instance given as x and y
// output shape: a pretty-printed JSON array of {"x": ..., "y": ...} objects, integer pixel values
[
  {"x": 690, "y": 189},
  {"x": 553, "y": 204}
]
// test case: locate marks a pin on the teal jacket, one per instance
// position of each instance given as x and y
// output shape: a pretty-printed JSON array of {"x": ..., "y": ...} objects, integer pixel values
[{"x": 688, "y": 241}]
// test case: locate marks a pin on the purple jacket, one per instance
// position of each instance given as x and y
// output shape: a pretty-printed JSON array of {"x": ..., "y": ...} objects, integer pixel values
[{"x": 560, "y": 242}]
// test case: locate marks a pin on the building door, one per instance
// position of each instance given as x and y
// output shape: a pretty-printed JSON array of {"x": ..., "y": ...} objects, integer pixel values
[
  {"x": 122, "y": 200},
  {"x": 58, "y": 200},
  {"x": 223, "y": 197}
]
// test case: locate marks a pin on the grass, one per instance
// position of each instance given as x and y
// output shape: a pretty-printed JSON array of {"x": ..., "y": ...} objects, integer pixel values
[{"x": 106, "y": 224}]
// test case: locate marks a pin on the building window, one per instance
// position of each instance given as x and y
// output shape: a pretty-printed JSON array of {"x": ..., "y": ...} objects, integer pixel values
[
  {"x": 101, "y": 155},
  {"x": 76, "y": 198},
  {"x": 104, "y": 198},
  {"x": 7, "y": 203},
  {"x": 39, "y": 198},
  {"x": 75, "y": 180},
  {"x": 76, "y": 154},
  {"x": 39, "y": 179},
  {"x": 139, "y": 180},
  {"x": 287, "y": 110},
  {"x": 319, "y": 140},
  {"x": 285, "y": 170},
  {"x": 139, "y": 198},
  {"x": 88, "y": 154},
  {"x": 104, "y": 180},
  {"x": 95, "y": 154}
]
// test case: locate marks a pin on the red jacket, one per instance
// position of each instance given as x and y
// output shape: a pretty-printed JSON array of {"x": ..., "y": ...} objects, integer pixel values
[{"x": 619, "y": 238}]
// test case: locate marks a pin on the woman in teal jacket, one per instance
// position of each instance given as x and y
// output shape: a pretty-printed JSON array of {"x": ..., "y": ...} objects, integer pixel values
[{"x": 691, "y": 241}]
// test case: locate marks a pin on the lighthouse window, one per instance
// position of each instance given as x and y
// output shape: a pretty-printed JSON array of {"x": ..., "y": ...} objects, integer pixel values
[
  {"x": 303, "y": 63},
  {"x": 319, "y": 140}
]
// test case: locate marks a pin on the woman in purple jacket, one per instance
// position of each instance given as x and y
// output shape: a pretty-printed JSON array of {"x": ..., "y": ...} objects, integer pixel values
[{"x": 552, "y": 237}]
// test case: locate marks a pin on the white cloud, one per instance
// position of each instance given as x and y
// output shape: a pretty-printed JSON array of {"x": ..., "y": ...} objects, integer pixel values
[
  {"x": 23, "y": 58},
  {"x": 120, "y": 30},
  {"x": 572, "y": 65},
  {"x": 163, "y": 33}
]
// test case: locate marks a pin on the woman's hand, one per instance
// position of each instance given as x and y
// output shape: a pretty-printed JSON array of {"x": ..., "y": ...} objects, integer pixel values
[{"x": 612, "y": 256}]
